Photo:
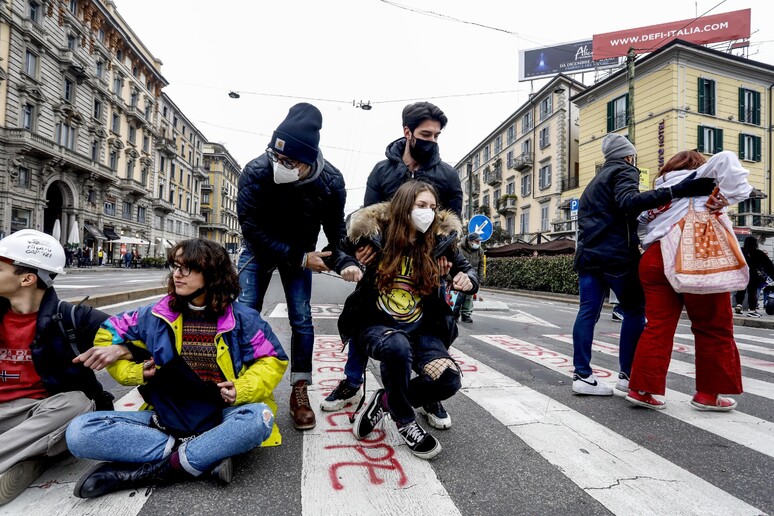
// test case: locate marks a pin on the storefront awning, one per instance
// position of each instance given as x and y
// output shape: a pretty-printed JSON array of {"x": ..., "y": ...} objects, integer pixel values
[
  {"x": 131, "y": 241},
  {"x": 110, "y": 234},
  {"x": 95, "y": 232}
]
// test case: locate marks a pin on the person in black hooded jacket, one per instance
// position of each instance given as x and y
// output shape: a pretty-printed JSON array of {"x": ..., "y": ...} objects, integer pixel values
[
  {"x": 761, "y": 268},
  {"x": 283, "y": 199}
]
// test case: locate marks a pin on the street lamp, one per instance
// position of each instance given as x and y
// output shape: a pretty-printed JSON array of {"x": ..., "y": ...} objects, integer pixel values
[
  {"x": 233, "y": 94},
  {"x": 365, "y": 106}
]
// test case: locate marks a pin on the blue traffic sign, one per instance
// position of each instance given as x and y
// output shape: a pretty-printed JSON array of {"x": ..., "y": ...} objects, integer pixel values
[
  {"x": 482, "y": 225},
  {"x": 573, "y": 204}
]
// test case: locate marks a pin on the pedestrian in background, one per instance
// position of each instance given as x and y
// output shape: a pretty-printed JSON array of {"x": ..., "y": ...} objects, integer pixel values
[
  {"x": 100, "y": 256},
  {"x": 415, "y": 155},
  {"x": 608, "y": 255},
  {"x": 398, "y": 313},
  {"x": 717, "y": 359},
  {"x": 471, "y": 249},
  {"x": 284, "y": 197},
  {"x": 761, "y": 270},
  {"x": 207, "y": 405}
]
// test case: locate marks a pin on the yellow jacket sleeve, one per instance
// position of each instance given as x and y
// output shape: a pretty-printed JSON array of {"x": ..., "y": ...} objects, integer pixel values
[
  {"x": 125, "y": 372},
  {"x": 256, "y": 383}
]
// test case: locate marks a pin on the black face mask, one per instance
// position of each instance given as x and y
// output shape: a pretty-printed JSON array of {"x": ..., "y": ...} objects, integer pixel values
[{"x": 423, "y": 151}]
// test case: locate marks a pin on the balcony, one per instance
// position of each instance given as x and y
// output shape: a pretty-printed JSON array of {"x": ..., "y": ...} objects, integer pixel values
[
  {"x": 166, "y": 146},
  {"x": 493, "y": 177},
  {"x": 217, "y": 226},
  {"x": 35, "y": 30},
  {"x": 133, "y": 187},
  {"x": 750, "y": 223},
  {"x": 523, "y": 161},
  {"x": 207, "y": 187},
  {"x": 163, "y": 205},
  {"x": 134, "y": 113},
  {"x": 473, "y": 188},
  {"x": 197, "y": 218},
  {"x": 506, "y": 204},
  {"x": 202, "y": 173},
  {"x": 563, "y": 227}
]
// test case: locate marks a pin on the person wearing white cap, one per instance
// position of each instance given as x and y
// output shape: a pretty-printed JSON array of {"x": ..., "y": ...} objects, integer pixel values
[
  {"x": 607, "y": 256},
  {"x": 41, "y": 390}
]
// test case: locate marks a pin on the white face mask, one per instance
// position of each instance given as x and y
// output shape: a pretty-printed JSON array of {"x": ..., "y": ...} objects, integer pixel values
[
  {"x": 283, "y": 174},
  {"x": 422, "y": 218},
  {"x": 474, "y": 246}
]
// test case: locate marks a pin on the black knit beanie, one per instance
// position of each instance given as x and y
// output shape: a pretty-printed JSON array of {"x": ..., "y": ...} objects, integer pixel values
[{"x": 298, "y": 136}]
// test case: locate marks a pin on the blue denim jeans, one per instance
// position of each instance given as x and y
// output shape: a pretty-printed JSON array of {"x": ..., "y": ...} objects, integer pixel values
[
  {"x": 254, "y": 280},
  {"x": 128, "y": 437},
  {"x": 593, "y": 287}
]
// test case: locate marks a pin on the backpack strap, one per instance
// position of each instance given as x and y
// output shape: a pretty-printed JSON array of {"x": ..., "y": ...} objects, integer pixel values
[{"x": 69, "y": 330}]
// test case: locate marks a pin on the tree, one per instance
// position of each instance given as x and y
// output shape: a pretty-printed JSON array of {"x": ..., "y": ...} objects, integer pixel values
[{"x": 499, "y": 237}]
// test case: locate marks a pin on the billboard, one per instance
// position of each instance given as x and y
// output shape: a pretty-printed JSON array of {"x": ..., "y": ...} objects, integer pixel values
[
  {"x": 566, "y": 58},
  {"x": 707, "y": 29}
]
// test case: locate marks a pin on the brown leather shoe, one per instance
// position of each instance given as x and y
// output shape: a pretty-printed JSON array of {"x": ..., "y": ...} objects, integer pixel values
[{"x": 300, "y": 409}]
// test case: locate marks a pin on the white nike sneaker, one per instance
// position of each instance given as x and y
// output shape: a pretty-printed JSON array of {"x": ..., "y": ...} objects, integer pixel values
[{"x": 590, "y": 386}]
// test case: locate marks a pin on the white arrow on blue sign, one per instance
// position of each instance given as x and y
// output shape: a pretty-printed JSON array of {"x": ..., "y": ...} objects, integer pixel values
[{"x": 482, "y": 225}]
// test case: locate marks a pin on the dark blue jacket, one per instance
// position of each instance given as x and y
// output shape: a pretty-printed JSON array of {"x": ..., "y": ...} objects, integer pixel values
[
  {"x": 281, "y": 222},
  {"x": 52, "y": 354},
  {"x": 389, "y": 174}
]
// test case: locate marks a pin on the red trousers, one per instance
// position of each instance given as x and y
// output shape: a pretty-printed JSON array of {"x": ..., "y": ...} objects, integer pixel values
[{"x": 718, "y": 370}]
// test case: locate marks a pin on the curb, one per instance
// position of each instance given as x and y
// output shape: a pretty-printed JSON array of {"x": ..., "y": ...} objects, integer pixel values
[
  {"x": 572, "y": 299},
  {"x": 120, "y": 297}
]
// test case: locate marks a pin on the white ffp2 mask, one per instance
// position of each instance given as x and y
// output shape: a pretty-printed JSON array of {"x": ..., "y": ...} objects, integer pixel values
[
  {"x": 283, "y": 174},
  {"x": 422, "y": 218}
]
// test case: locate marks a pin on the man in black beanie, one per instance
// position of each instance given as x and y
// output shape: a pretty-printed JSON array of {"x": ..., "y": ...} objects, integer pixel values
[{"x": 284, "y": 197}]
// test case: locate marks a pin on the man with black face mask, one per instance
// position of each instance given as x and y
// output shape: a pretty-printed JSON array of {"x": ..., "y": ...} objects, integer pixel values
[{"x": 413, "y": 156}]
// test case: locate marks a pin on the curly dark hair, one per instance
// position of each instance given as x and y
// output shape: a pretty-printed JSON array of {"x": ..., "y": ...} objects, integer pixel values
[{"x": 220, "y": 276}]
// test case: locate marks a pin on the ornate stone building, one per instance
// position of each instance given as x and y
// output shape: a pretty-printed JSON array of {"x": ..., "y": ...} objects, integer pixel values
[{"x": 219, "y": 197}]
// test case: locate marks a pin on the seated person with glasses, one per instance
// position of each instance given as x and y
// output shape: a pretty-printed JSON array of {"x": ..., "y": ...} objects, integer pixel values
[{"x": 206, "y": 368}]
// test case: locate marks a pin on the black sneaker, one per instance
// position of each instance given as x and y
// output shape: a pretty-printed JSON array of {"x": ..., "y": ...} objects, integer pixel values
[
  {"x": 421, "y": 444},
  {"x": 367, "y": 419},
  {"x": 437, "y": 417},
  {"x": 467, "y": 319},
  {"x": 618, "y": 314},
  {"x": 344, "y": 394}
]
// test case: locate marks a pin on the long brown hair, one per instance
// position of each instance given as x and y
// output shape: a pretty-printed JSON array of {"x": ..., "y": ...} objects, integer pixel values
[
  {"x": 220, "y": 276},
  {"x": 402, "y": 240},
  {"x": 683, "y": 160}
]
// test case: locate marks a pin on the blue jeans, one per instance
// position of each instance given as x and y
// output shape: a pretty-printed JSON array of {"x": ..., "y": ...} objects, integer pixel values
[
  {"x": 128, "y": 437},
  {"x": 254, "y": 280},
  {"x": 593, "y": 287}
]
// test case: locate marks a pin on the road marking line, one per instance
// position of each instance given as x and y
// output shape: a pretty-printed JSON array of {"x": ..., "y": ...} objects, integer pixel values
[
  {"x": 520, "y": 317},
  {"x": 752, "y": 432},
  {"x": 378, "y": 475},
  {"x": 617, "y": 472},
  {"x": 742, "y": 345},
  {"x": 140, "y": 301},
  {"x": 319, "y": 311}
]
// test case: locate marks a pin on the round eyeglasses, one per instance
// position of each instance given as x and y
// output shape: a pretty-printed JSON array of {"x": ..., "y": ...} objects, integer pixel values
[
  {"x": 184, "y": 270},
  {"x": 288, "y": 163}
]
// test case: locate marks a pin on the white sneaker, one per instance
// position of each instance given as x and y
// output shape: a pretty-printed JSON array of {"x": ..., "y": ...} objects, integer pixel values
[
  {"x": 590, "y": 386},
  {"x": 738, "y": 309},
  {"x": 753, "y": 313},
  {"x": 622, "y": 385}
]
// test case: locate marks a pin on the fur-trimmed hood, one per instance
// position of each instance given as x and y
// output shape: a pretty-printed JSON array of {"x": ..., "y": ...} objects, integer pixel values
[{"x": 370, "y": 223}]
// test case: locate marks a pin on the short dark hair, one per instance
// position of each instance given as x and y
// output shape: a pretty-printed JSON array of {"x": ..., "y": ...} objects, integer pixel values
[
  {"x": 212, "y": 260},
  {"x": 416, "y": 113}
]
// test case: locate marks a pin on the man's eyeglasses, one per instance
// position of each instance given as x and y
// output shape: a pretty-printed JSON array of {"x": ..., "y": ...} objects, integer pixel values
[
  {"x": 285, "y": 162},
  {"x": 184, "y": 270}
]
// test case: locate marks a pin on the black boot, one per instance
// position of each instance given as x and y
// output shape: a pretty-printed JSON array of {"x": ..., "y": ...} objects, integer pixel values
[{"x": 108, "y": 477}]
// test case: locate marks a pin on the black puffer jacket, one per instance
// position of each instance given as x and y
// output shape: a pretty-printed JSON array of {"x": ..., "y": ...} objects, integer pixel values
[
  {"x": 389, "y": 174},
  {"x": 52, "y": 354},
  {"x": 369, "y": 225},
  {"x": 281, "y": 222},
  {"x": 607, "y": 213}
]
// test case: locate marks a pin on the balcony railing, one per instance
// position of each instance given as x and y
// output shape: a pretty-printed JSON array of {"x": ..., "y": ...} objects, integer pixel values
[
  {"x": 493, "y": 177},
  {"x": 133, "y": 186},
  {"x": 506, "y": 204},
  {"x": 760, "y": 221},
  {"x": 166, "y": 146},
  {"x": 523, "y": 161},
  {"x": 563, "y": 226}
]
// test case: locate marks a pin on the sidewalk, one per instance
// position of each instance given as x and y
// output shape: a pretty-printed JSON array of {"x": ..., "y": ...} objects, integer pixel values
[{"x": 766, "y": 321}]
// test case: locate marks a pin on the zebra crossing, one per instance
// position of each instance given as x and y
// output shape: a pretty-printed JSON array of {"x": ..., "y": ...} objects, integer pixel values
[{"x": 612, "y": 469}]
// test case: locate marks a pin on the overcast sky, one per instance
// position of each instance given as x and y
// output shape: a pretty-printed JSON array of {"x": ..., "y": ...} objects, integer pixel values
[{"x": 334, "y": 52}]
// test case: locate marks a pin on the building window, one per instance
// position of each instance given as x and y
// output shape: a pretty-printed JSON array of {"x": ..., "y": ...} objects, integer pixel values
[
  {"x": 100, "y": 70},
  {"x": 145, "y": 143},
  {"x": 114, "y": 160},
  {"x": 526, "y": 123},
  {"x": 510, "y": 225},
  {"x": 126, "y": 211},
  {"x": 546, "y": 108},
  {"x": 115, "y": 126},
  {"x": 69, "y": 90},
  {"x": 28, "y": 116},
  {"x": 509, "y": 159},
  {"x": 110, "y": 208},
  {"x": 130, "y": 168},
  {"x": 133, "y": 99},
  {"x": 71, "y": 41},
  {"x": 510, "y": 188},
  {"x": 161, "y": 190},
  {"x": 544, "y": 177},
  {"x": 511, "y": 135},
  {"x": 171, "y": 195},
  {"x": 20, "y": 219},
  {"x": 545, "y": 137},
  {"x": 24, "y": 177},
  {"x": 132, "y": 134},
  {"x": 526, "y": 147},
  {"x": 706, "y": 96},
  {"x": 524, "y": 223},
  {"x": 144, "y": 176},
  {"x": 141, "y": 214},
  {"x": 33, "y": 11},
  {"x": 498, "y": 144},
  {"x": 749, "y": 106},
  {"x": 118, "y": 83},
  {"x": 486, "y": 153},
  {"x": 65, "y": 135},
  {"x": 205, "y": 198},
  {"x": 710, "y": 140},
  {"x": 476, "y": 161},
  {"x": 74, "y": 6},
  {"x": 526, "y": 185},
  {"x": 97, "y": 113},
  {"x": 95, "y": 150},
  {"x": 101, "y": 35},
  {"x": 616, "y": 113},
  {"x": 544, "y": 217},
  {"x": 749, "y": 147},
  {"x": 31, "y": 64}
]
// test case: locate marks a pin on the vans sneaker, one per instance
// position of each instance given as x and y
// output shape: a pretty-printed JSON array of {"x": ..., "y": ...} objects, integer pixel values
[
  {"x": 618, "y": 314},
  {"x": 753, "y": 313},
  {"x": 18, "y": 477},
  {"x": 421, "y": 444},
  {"x": 344, "y": 394},
  {"x": 367, "y": 419},
  {"x": 713, "y": 402},
  {"x": 437, "y": 417},
  {"x": 622, "y": 385},
  {"x": 645, "y": 399},
  {"x": 590, "y": 385}
]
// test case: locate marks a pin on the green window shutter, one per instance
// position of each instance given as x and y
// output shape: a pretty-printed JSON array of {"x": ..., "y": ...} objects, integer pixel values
[
  {"x": 718, "y": 140},
  {"x": 757, "y": 108},
  {"x": 700, "y": 139},
  {"x": 626, "y": 106},
  {"x": 741, "y": 104},
  {"x": 757, "y": 147},
  {"x": 711, "y": 106},
  {"x": 701, "y": 95},
  {"x": 610, "y": 116},
  {"x": 741, "y": 145}
]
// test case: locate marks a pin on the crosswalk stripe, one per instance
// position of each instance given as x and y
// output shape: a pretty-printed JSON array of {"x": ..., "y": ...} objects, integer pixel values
[
  {"x": 756, "y": 338},
  {"x": 741, "y": 345},
  {"x": 752, "y": 432},
  {"x": 617, "y": 472},
  {"x": 374, "y": 476},
  {"x": 751, "y": 385}
]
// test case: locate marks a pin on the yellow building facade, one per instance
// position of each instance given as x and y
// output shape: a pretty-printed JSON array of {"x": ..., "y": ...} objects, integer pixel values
[
  {"x": 219, "y": 197},
  {"x": 686, "y": 97}
]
